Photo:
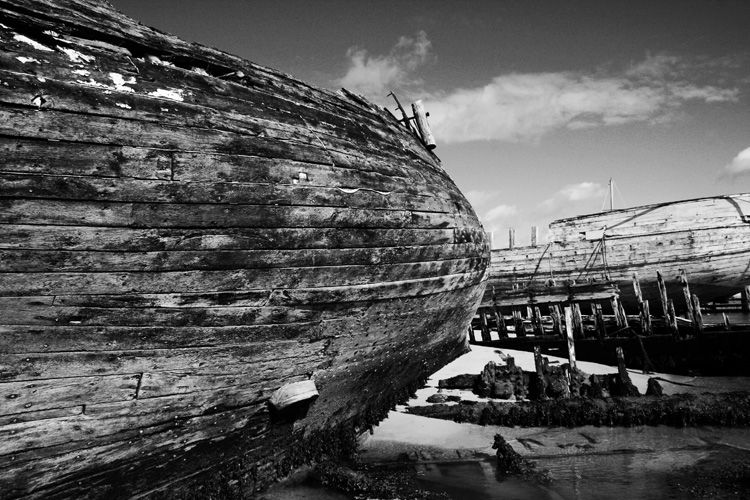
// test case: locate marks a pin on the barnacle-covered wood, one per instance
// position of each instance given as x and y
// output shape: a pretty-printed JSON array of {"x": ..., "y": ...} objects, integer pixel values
[{"x": 183, "y": 233}]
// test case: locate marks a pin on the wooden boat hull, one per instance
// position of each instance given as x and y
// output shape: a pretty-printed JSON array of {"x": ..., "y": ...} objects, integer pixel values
[
  {"x": 708, "y": 238},
  {"x": 183, "y": 234}
]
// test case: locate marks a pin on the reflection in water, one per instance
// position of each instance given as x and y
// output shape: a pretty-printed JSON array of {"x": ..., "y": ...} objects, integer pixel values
[{"x": 578, "y": 477}]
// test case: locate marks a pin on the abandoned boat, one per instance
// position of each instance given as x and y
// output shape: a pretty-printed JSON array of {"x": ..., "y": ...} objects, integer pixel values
[
  {"x": 707, "y": 238},
  {"x": 210, "y": 273}
]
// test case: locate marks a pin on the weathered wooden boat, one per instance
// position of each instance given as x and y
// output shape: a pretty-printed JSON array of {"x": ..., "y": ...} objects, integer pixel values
[
  {"x": 707, "y": 238},
  {"x": 184, "y": 235}
]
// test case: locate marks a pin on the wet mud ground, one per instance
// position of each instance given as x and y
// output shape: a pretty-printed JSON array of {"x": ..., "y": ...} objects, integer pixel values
[{"x": 410, "y": 456}]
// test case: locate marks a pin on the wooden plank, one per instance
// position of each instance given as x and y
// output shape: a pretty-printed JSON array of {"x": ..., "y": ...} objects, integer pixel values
[
  {"x": 50, "y": 237},
  {"x": 31, "y": 366},
  {"x": 183, "y": 260},
  {"x": 72, "y": 283},
  {"x": 570, "y": 336},
  {"x": 166, "y": 191},
  {"x": 203, "y": 215}
]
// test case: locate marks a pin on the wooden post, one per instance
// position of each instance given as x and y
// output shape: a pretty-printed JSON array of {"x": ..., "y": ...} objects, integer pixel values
[
  {"x": 698, "y": 316},
  {"x": 424, "y": 128},
  {"x": 726, "y": 321},
  {"x": 472, "y": 337},
  {"x": 637, "y": 288},
  {"x": 616, "y": 311},
  {"x": 745, "y": 298},
  {"x": 518, "y": 323},
  {"x": 539, "y": 365},
  {"x": 502, "y": 329},
  {"x": 485, "y": 326},
  {"x": 571, "y": 340},
  {"x": 673, "y": 319},
  {"x": 623, "y": 314},
  {"x": 686, "y": 293},
  {"x": 663, "y": 295},
  {"x": 645, "y": 318},
  {"x": 534, "y": 235},
  {"x": 537, "y": 321},
  {"x": 577, "y": 321},
  {"x": 601, "y": 328},
  {"x": 511, "y": 238},
  {"x": 557, "y": 320}
]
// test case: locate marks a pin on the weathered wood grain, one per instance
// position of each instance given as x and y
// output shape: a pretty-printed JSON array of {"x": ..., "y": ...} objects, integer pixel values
[{"x": 183, "y": 233}]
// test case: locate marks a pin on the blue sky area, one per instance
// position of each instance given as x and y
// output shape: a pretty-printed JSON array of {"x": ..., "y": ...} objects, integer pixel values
[{"x": 534, "y": 105}]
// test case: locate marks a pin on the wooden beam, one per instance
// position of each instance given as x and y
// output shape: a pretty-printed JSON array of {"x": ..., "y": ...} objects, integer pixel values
[
  {"x": 571, "y": 340},
  {"x": 645, "y": 312},
  {"x": 686, "y": 293},
  {"x": 577, "y": 321},
  {"x": 663, "y": 298},
  {"x": 601, "y": 327},
  {"x": 557, "y": 320},
  {"x": 484, "y": 326},
  {"x": 637, "y": 288},
  {"x": 697, "y": 315},
  {"x": 537, "y": 321},
  {"x": 672, "y": 319}
]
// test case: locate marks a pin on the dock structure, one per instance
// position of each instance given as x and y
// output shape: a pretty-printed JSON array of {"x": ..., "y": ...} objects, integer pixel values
[{"x": 589, "y": 318}]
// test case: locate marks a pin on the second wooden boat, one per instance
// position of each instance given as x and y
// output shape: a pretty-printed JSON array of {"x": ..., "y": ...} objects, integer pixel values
[{"x": 707, "y": 238}]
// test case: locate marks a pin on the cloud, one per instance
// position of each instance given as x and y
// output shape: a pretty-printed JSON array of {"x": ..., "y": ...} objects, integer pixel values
[
  {"x": 574, "y": 194},
  {"x": 740, "y": 165},
  {"x": 525, "y": 106},
  {"x": 375, "y": 76},
  {"x": 499, "y": 213}
]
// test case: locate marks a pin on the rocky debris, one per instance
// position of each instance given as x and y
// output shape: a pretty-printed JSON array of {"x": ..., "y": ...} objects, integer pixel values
[
  {"x": 454, "y": 398},
  {"x": 364, "y": 482},
  {"x": 654, "y": 388},
  {"x": 510, "y": 462},
  {"x": 502, "y": 381},
  {"x": 437, "y": 398},
  {"x": 465, "y": 381},
  {"x": 682, "y": 410}
]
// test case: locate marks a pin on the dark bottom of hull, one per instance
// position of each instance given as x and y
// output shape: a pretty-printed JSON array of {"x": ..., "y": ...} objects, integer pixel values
[{"x": 711, "y": 354}]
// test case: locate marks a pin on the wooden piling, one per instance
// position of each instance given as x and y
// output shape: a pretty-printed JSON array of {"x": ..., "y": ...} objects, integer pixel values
[
  {"x": 686, "y": 293},
  {"x": 557, "y": 321},
  {"x": 571, "y": 340},
  {"x": 601, "y": 328},
  {"x": 485, "y": 326},
  {"x": 745, "y": 299},
  {"x": 663, "y": 298},
  {"x": 518, "y": 323},
  {"x": 697, "y": 314},
  {"x": 645, "y": 311},
  {"x": 637, "y": 288},
  {"x": 673, "y": 319},
  {"x": 502, "y": 328},
  {"x": 577, "y": 321},
  {"x": 622, "y": 370},
  {"x": 472, "y": 336},
  {"x": 727, "y": 326},
  {"x": 620, "y": 318},
  {"x": 537, "y": 321},
  {"x": 541, "y": 380}
]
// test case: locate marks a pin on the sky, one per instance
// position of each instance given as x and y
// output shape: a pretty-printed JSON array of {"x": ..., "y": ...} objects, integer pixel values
[{"x": 534, "y": 105}]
